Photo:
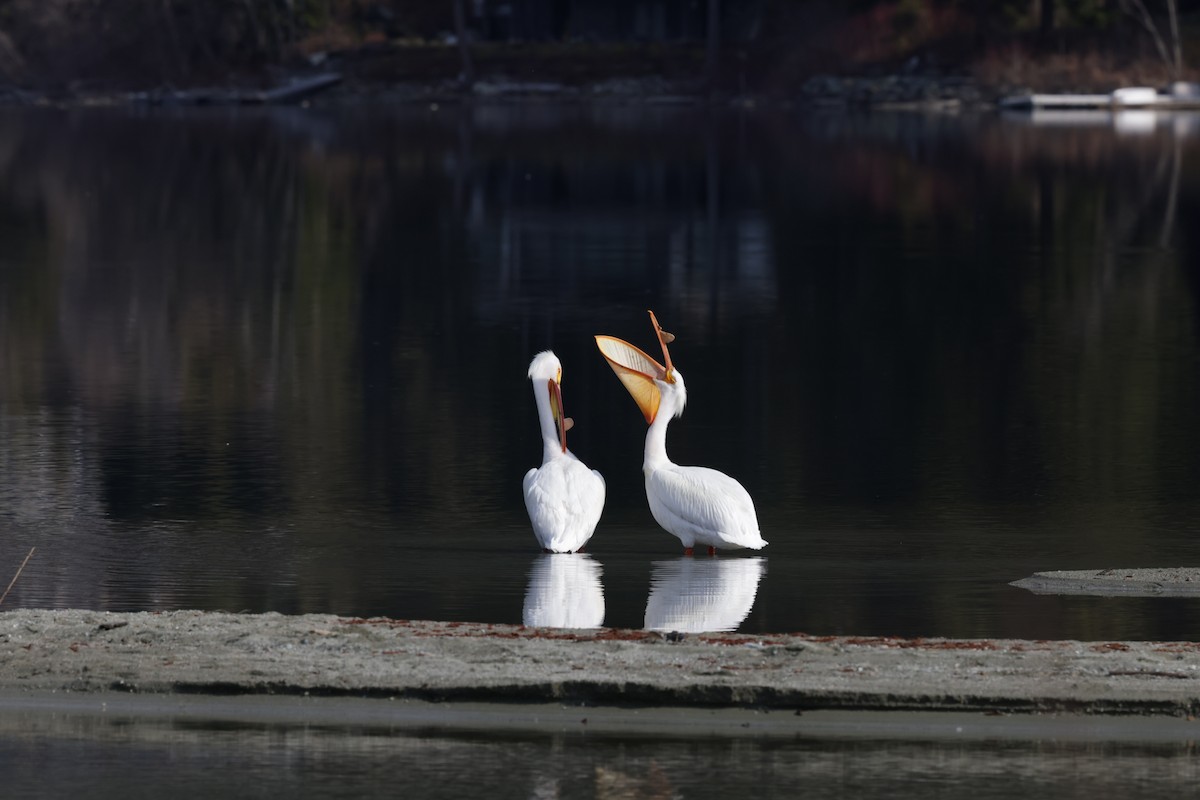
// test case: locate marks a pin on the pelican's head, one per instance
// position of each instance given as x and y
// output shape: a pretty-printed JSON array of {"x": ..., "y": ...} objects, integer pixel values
[
  {"x": 646, "y": 380},
  {"x": 673, "y": 385},
  {"x": 546, "y": 373},
  {"x": 546, "y": 366}
]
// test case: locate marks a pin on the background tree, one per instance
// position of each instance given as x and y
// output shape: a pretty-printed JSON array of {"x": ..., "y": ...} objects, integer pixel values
[
  {"x": 467, "y": 77},
  {"x": 1046, "y": 19},
  {"x": 714, "y": 42},
  {"x": 1172, "y": 54}
]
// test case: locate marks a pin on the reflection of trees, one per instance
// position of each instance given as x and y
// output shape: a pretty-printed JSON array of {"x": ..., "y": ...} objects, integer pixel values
[
  {"x": 942, "y": 286},
  {"x": 201, "y": 295},
  {"x": 310, "y": 324},
  {"x": 995, "y": 334}
]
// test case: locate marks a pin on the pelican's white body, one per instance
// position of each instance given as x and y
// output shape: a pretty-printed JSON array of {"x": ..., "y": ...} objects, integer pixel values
[
  {"x": 700, "y": 506},
  {"x": 564, "y": 498}
]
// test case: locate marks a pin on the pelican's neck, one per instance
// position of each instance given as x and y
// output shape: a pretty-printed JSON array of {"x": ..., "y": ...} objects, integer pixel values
[
  {"x": 656, "y": 436},
  {"x": 551, "y": 446}
]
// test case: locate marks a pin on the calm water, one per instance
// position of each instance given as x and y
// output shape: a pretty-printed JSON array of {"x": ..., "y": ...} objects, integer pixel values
[
  {"x": 111, "y": 755},
  {"x": 186, "y": 761},
  {"x": 276, "y": 361}
]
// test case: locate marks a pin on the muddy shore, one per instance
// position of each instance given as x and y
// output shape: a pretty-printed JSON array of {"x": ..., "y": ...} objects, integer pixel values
[{"x": 192, "y": 653}]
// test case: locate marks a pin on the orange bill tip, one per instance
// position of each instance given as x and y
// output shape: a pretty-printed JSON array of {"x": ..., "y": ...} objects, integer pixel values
[{"x": 664, "y": 339}]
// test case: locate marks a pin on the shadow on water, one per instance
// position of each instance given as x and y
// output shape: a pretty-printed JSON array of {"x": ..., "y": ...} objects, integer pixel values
[{"x": 275, "y": 361}]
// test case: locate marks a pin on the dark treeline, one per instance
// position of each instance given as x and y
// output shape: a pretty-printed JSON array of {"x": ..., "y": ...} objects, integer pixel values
[{"x": 768, "y": 43}]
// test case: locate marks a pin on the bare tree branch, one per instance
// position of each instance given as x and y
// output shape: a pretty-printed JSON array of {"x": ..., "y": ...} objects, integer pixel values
[
  {"x": 252, "y": 15},
  {"x": 1137, "y": 10},
  {"x": 464, "y": 46},
  {"x": 13, "y": 582},
  {"x": 181, "y": 61},
  {"x": 714, "y": 42},
  {"x": 1174, "y": 15},
  {"x": 11, "y": 62}
]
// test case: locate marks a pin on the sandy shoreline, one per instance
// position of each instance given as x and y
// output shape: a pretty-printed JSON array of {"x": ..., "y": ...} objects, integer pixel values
[
  {"x": 192, "y": 653},
  {"x": 1117, "y": 582}
]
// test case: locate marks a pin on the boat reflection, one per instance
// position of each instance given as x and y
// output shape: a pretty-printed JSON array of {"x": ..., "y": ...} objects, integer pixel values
[
  {"x": 564, "y": 592},
  {"x": 695, "y": 595}
]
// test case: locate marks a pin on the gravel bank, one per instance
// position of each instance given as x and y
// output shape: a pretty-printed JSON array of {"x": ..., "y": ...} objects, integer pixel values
[
  {"x": 1140, "y": 582},
  {"x": 202, "y": 653}
]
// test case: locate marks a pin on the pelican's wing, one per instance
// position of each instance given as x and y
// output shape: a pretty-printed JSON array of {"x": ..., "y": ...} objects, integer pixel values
[
  {"x": 707, "y": 500},
  {"x": 564, "y": 499},
  {"x": 594, "y": 496}
]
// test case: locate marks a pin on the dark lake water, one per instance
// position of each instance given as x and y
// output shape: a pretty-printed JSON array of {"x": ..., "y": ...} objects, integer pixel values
[
  {"x": 119, "y": 760},
  {"x": 276, "y": 361},
  {"x": 109, "y": 754}
]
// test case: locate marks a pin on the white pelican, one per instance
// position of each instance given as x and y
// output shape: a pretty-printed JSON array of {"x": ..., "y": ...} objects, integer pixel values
[
  {"x": 563, "y": 496},
  {"x": 697, "y": 504}
]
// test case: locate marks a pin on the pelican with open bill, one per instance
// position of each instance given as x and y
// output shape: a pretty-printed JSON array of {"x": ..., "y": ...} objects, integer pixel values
[{"x": 700, "y": 506}]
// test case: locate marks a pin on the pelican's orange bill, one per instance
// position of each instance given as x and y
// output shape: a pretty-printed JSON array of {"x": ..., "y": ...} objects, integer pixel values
[
  {"x": 637, "y": 372},
  {"x": 664, "y": 339},
  {"x": 556, "y": 411}
]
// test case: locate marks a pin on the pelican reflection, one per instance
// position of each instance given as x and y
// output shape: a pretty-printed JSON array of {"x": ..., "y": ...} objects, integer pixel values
[
  {"x": 564, "y": 592},
  {"x": 699, "y": 595}
]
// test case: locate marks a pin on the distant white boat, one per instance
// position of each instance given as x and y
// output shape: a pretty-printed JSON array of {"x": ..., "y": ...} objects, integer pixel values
[{"x": 1179, "y": 96}]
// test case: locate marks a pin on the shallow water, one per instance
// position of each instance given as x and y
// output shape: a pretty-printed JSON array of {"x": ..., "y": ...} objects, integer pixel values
[
  {"x": 112, "y": 753},
  {"x": 315, "y": 763},
  {"x": 276, "y": 361}
]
